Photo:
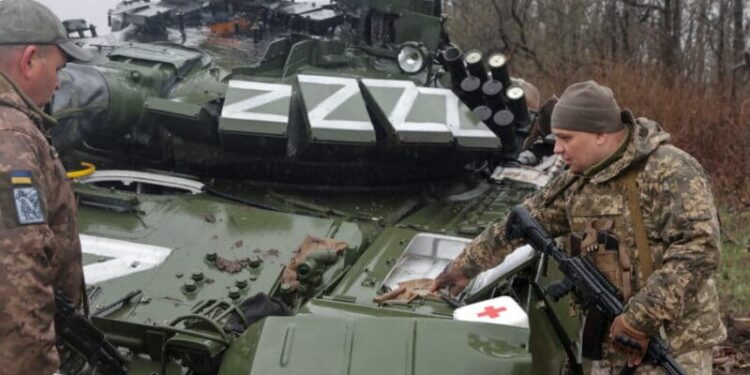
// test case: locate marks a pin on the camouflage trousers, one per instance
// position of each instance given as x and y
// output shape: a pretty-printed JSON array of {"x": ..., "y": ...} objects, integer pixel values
[{"x": 698, "y": 362}]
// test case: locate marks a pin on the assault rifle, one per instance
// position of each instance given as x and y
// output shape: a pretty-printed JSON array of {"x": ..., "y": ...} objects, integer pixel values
[
  {"x": 78, "y": 333},
  {"x": 596, "y": 292}
]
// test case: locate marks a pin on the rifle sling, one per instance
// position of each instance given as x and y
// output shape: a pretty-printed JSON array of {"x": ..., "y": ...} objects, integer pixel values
[{"x": 639, "y": 228}]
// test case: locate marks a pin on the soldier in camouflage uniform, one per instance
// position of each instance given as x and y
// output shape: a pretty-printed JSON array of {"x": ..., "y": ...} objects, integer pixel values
[
  {"x": 40, "y": 251},
  {"x": 624, "y": 170}
]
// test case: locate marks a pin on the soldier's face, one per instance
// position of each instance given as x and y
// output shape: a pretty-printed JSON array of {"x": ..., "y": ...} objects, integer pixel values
[
  {"x": 579, "y": 150},
  {"x": 43, "y": 68}
]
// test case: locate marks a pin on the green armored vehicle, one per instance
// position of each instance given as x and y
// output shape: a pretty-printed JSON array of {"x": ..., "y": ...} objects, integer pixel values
[{"x": 287, "y": 217}]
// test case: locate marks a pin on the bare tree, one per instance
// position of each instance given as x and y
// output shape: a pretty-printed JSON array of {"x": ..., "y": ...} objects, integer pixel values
[
  {"x": 738, "y": 46},
  {"x": 739, "y": 37},
  {"x": 699, "y": 41}
]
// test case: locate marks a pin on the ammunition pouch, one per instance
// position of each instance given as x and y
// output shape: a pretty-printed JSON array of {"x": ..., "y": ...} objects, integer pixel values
[{"x": 600, "y": 244}]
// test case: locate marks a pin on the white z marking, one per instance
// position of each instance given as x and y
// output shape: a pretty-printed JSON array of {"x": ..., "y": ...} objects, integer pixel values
[
  {"x": 128, "y": 258},
  {"x": 317, "y": 115},
  {"x": 405, "y": 105},
  {"x": 241, "y": 109},
  {"x": 451, "y": 106}
]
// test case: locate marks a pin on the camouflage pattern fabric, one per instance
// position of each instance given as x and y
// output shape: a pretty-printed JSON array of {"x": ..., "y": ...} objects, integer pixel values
[
  {"x": 679, "y": 299},
  {"x": 698, "y": 362},
  {"x": 39, "y": 246}
]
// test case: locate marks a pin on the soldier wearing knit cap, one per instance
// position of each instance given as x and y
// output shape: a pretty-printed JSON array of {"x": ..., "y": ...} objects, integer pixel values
[
  {"x": 626, "y": 178},
  {"x": 587, "y": 107},
  {"x": 587, "y": 125}
]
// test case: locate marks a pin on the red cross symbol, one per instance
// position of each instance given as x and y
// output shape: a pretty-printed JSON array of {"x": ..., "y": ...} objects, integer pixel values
[{"x": 491, "y": 312}]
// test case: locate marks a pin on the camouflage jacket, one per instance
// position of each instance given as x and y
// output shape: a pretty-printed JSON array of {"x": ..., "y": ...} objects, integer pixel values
[
  {"x": 39, "y": 246},
  {"x": 679, "y": 299}
]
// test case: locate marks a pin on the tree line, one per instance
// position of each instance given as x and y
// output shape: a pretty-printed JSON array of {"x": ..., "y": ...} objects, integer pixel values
[
  {"x": 683, "y": 63},
  {"x": 703, "y": 41}
]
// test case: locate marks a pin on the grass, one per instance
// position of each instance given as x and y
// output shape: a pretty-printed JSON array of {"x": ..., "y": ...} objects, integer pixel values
[
  {"x": 733, "y": 356},
  {"x": 734, "y": 278}
]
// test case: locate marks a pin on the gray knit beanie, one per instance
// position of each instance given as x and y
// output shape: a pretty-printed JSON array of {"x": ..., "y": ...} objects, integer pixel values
[{"x": 588, "y": 107}]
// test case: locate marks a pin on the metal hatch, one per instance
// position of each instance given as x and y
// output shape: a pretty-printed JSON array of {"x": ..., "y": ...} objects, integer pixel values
[
  {"x": 143, "y": 182},
  {"x": 427, "y": 254},
  {"x": 181, "y": 58}
]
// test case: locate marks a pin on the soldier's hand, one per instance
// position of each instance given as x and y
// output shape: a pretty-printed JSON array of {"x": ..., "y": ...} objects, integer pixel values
[
  {"x": 451, "y": 278},
  {"x": 628, "y": 340}
]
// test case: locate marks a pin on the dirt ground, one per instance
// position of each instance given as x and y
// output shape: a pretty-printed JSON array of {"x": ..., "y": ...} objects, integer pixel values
[{"x": 734, "y": 356}]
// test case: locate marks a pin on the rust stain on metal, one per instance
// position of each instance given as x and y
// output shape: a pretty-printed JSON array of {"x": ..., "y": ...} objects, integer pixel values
[
  {"x": 309, "y": 245},
  {"x": 231, "y": 266}
]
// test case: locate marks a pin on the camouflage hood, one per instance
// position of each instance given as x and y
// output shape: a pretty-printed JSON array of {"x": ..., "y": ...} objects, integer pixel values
[
  {"x": 12, "y": 96},
  {"x": 645, "y": 137}
]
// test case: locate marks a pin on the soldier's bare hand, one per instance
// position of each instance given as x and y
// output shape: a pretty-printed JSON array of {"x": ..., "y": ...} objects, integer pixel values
[
  {"x": 628, "y": 340},
  {"x": 451, "y": 278}
]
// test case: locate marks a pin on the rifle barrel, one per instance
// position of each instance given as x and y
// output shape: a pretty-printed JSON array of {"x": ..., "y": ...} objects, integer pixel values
[{"x": 597, "y": 291}]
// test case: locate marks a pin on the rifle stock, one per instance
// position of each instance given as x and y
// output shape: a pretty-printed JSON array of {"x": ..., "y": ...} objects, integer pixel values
[
  {"x": 596, "y": 292},
  {"x": 78, "y": 333}
]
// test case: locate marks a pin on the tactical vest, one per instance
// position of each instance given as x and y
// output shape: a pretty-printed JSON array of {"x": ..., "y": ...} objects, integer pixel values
[
  {"x": 601, "y": 218},
  {"x": 607, "y": 227}
]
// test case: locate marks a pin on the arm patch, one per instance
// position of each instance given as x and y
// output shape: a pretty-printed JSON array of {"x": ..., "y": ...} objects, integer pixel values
[{"x": 26, "y": 198}]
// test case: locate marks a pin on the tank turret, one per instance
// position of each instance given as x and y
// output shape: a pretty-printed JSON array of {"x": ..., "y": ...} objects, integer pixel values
[
  {"x": 276, "y": 184},
  {"x": 354, "y": 97}
]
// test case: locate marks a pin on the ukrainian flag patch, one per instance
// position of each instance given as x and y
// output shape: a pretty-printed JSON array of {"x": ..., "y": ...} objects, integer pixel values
[
  {"x": 26, "y": 198},
  {"x": 22, "y": 177}
]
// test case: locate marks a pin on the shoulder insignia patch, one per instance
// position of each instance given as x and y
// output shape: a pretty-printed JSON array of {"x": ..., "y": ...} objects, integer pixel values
[
  {"x": 22, "y": 177},
  {"x": 26, "y": 198}
]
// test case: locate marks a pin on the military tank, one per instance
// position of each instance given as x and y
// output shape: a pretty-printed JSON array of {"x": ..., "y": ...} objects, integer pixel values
[{"x": 286, "y": 217}]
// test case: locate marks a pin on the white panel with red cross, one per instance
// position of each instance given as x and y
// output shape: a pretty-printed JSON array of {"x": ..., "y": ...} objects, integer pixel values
[{"x": 501, "y": 310}]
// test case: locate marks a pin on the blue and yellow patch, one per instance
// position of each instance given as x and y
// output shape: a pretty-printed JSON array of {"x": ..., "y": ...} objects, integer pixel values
[
  {"x": 20, "y": 177},
  {"x": 26, "y": 198}
]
